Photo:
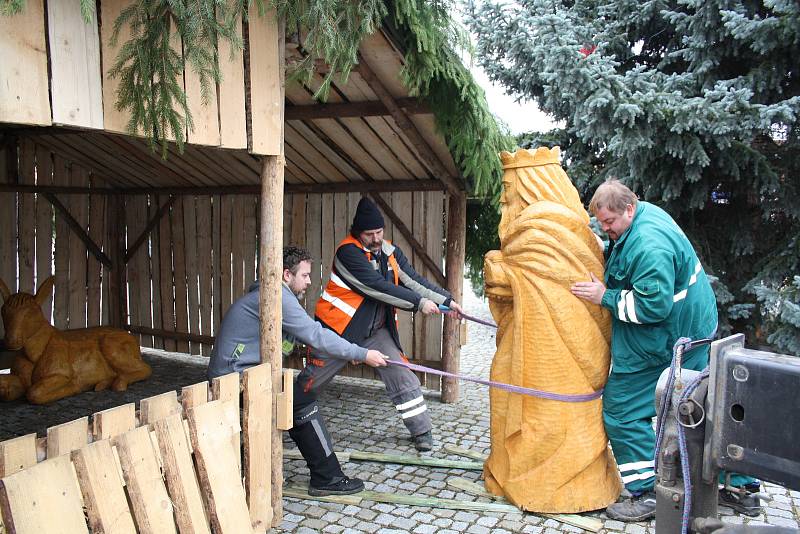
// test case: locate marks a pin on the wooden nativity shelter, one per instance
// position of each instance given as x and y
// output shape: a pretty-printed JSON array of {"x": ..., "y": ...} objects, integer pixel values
[{"x": 161, "y": 246}]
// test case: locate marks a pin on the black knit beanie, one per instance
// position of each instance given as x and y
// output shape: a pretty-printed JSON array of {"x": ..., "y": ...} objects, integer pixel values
[{"x": 368, "y": 217}]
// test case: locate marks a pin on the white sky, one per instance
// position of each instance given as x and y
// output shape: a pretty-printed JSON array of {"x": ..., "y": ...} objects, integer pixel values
[{"x": 523, "y": 116}]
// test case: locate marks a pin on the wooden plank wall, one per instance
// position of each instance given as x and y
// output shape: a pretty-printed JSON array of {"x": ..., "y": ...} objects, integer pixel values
[
  {"x": 205, "y": 247},
  {"x": 81, "y": 56},
  {"x": 39, "y": 243},
  {"x": 24, "y": 95},
  {"x": 319, "y": 222}
]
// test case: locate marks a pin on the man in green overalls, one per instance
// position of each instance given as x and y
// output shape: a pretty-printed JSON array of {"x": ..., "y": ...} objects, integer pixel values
[{"x": 657, "y": 292}]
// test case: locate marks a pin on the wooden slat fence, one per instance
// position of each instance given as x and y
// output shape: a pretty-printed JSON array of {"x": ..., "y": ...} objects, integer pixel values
[
  {"x": 197, "y": 258},
  {"x": 38, "y": 240},
  {"x": 110, "y": 466}
]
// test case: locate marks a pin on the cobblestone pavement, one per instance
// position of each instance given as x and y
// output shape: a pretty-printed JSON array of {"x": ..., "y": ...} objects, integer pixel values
[{"x": 360, "y": 417}]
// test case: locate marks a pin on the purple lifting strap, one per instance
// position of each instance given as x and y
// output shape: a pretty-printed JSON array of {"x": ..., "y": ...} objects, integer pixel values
[{"x": 507, "y": 387}]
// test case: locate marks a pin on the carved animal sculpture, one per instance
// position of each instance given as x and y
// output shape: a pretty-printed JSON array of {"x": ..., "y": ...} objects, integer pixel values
[
  {"x": 53, "y": 363},
  {"x": 547, "y": 456}
]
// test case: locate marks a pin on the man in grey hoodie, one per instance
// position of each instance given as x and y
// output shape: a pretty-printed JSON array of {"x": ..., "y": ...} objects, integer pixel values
[{"x": 237, "y": 348}]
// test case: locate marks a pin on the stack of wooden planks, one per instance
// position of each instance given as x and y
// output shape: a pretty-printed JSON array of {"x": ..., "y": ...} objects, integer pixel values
[{"x": 173, "y": 466}]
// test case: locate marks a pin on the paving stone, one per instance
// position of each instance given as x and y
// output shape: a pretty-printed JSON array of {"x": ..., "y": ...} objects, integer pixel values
[
  {"x": 315, "y": 511},
  {"x": 366, "y": 526},
  {"x": 487, "y": 521},
  {"x": 776, "y": 512},
  {"x": 782, "y": 522},
  {"x": 367, "y": 514},
  {"x": 293, "y": 518},
  {"x": 425, "y": 529},
  {"x": 633, "y": 528},
  {"x": 348, "y": 521},
  {"x": 331, "y": 517},
  {"x": 478, "y": 529},
  {"x": 385, "y": 519}
]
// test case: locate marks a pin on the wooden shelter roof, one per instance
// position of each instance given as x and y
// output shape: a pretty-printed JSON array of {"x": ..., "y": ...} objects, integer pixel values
[{"x": 369, "y": 135}]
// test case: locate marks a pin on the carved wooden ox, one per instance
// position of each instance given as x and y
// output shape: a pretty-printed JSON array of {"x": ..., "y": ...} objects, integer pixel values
[{"x": 54, "y": 364}]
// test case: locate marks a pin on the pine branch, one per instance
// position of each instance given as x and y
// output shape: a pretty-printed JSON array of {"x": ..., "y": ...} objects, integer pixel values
[{"x": 11, "y": 7}]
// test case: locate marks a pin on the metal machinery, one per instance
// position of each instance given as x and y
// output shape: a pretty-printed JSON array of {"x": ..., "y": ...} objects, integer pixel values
[{"x": 742, "y": 415}]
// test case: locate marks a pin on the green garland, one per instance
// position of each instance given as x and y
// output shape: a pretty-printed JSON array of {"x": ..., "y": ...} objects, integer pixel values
[{"x": 149, "y": 64}]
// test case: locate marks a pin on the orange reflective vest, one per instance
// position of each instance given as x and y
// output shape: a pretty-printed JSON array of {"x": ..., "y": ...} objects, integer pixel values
[{"x": 339, "y": 303}]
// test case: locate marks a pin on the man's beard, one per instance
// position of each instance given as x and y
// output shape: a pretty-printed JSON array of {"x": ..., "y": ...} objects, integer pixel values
[{"x": 300, "y": 294}]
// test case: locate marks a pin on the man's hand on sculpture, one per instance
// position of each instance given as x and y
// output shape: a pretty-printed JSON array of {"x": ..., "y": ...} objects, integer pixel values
[
  {"x": 428, "y": 307},
  {"x": 592, "y": 291},
  {"x": 376, "y": 358}
]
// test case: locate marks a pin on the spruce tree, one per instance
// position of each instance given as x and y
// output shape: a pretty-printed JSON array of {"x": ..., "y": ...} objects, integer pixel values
[{"x": 694, "y": 104}]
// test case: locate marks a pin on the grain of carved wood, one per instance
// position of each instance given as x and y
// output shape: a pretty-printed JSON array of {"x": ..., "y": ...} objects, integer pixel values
[
  {"x": 547, "y": 456},
  {"x": 53, "y": 363}
]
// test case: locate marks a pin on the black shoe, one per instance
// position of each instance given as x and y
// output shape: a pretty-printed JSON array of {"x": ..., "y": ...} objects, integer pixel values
[
  {"x": 424, "y": 442},
  {"x": 343, "y": 486},
  {"x": 638, "y": 508},
  {"x": 746, "y": 503}
]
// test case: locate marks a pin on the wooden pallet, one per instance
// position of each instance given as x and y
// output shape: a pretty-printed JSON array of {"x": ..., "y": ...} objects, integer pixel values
[{"x": 175, "y": 466}]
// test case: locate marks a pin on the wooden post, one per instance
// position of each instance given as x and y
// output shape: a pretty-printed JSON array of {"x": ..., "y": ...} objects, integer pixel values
[
  {"x": 270, "y": 268},
  {"x": 116, "y": 239},
  {"x": 454, "y": 272}
]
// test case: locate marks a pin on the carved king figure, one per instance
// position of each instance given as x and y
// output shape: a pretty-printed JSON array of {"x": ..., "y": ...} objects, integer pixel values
[{"x": 547, "y": 456}]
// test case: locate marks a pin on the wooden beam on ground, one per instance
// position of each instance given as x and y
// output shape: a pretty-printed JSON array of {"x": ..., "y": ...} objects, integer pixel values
[
  {"x": 454, "y": 266},
  {"x": 79, "y": 231},
  {"x": 592, "y": 524},
  {"x": 269, "y": 273},
  {"x": 360, "y": 186},
  {"x": 372, "y": 108},
  {"x": 399, "y": 225},
  {"x": 399, "y": 459},
  {"x": 163, "y": 210},
  {"x": 409, "y": 130},
  {"x": 178, "y": 336}
]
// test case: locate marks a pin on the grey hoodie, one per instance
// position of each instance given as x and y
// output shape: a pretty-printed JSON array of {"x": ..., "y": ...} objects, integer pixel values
[{"x": 237, "y": 344}]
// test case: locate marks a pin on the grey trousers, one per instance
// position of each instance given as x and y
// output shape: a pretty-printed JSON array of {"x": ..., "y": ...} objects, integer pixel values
[{"x": 402, "y": 385}]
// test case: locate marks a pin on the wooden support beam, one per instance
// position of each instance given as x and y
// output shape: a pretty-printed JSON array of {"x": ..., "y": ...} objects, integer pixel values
[
  {"x": 117, "y": 291},
  {"x": 409, "y": 130},
  {"x": 372, "y": 108},
  {"x": 78, "y": 230},
  {"x": 270, "y": 269},
  {"x": 454, "y": 268},
  {"x": 416, "y": 245},
  {"x": 163, "y": 210},
  {"x": 180, "y": 336},
  {"x": 361, "y": 186},
  {"x": 364, "y": 186}
]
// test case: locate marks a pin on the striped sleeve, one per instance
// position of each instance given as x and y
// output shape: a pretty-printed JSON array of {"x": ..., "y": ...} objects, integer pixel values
[{"x": 651, "y": 295}]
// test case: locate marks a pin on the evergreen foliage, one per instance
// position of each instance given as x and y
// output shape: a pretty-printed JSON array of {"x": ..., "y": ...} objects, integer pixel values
[
  {"x": 483, "y": 218},
  {"x": 694, "y": 104}
]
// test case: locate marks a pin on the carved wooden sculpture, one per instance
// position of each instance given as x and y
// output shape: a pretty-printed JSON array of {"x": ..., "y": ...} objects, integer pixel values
[
  {"x": 54, "y": 364},
  {"x": 546, "y": 455}
]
